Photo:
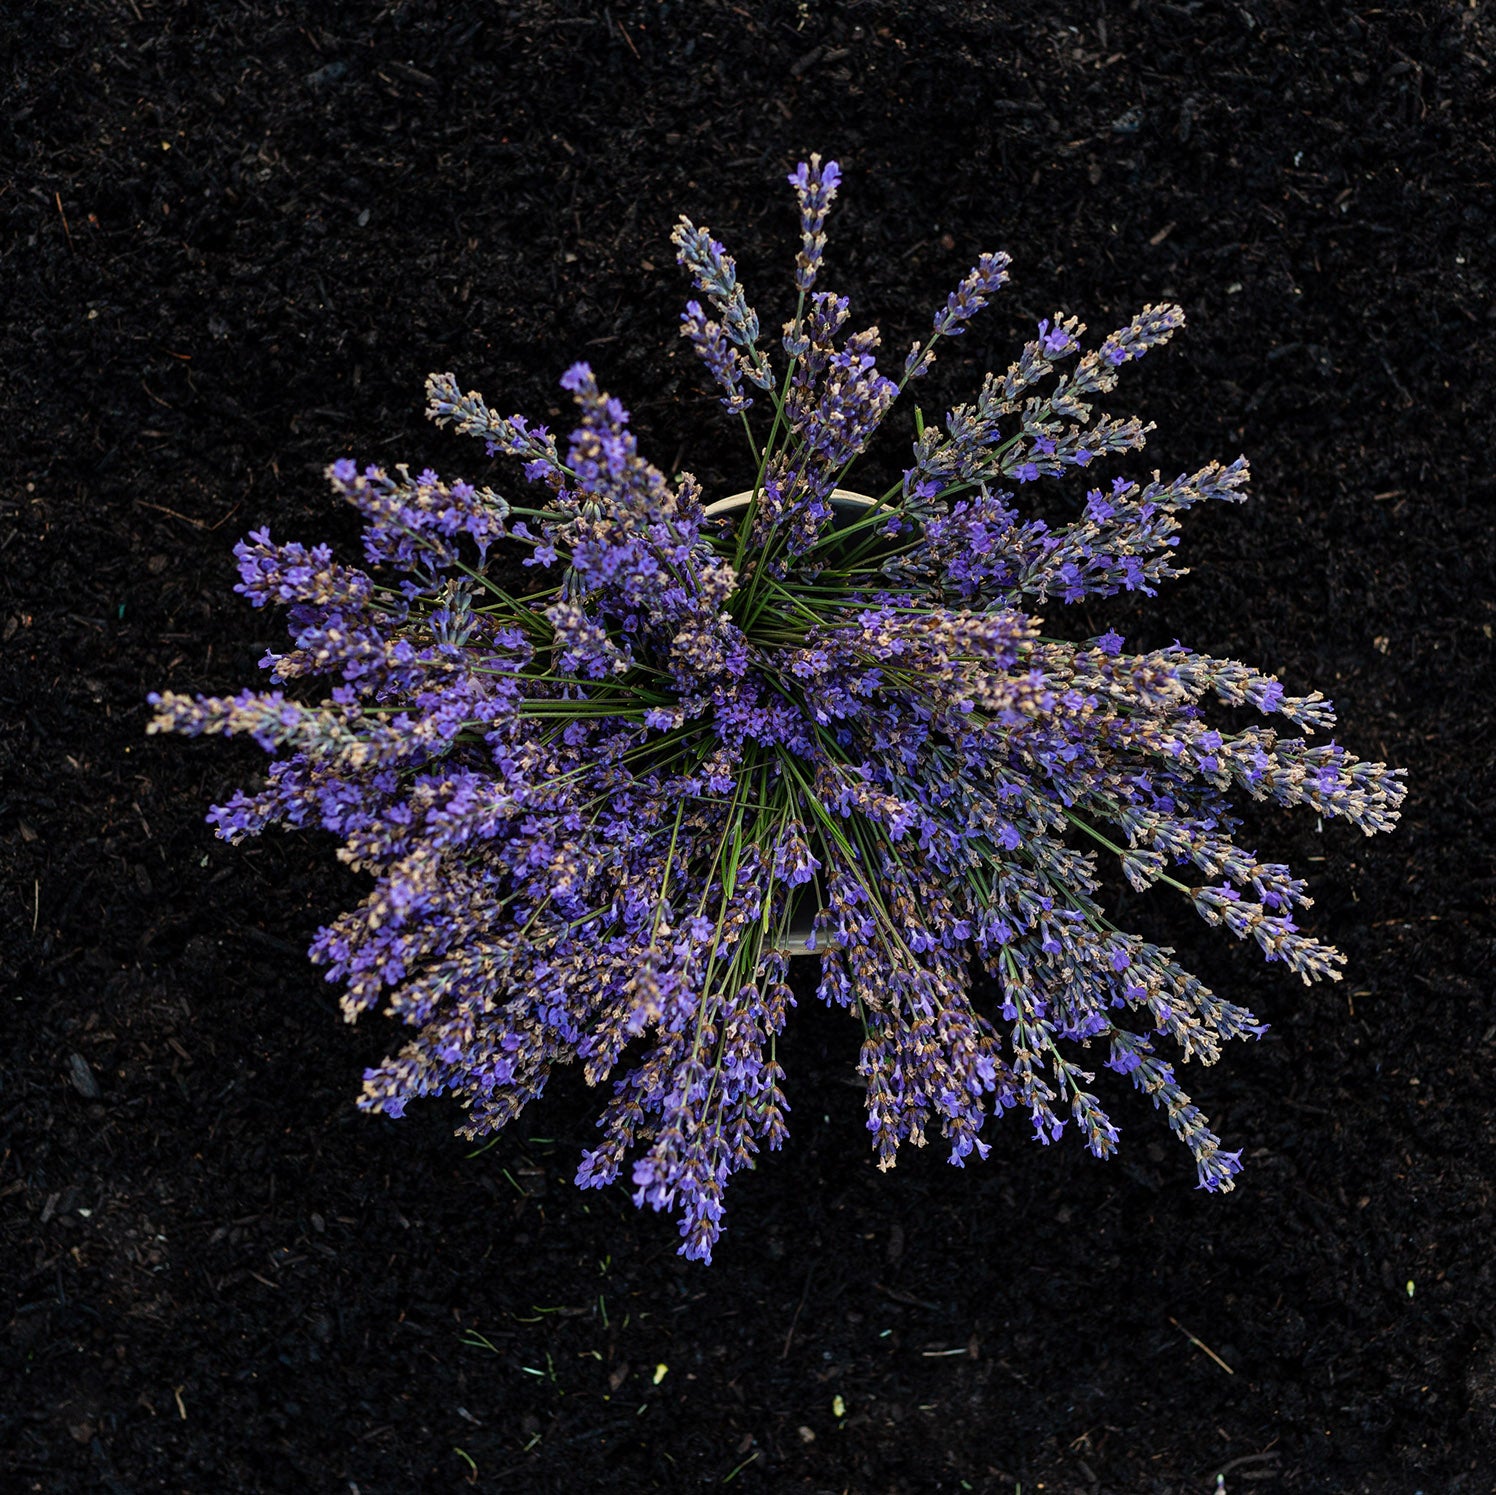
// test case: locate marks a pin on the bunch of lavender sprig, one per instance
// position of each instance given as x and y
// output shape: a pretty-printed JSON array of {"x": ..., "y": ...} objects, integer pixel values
[{"x": 594, "y": 804}]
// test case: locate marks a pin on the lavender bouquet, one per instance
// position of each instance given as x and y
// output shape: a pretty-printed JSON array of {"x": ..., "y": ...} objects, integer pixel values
[{"x": 603, "y": 805}]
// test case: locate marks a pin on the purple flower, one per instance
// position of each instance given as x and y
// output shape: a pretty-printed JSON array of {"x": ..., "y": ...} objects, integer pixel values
[{"x": 1056, "y": 340}]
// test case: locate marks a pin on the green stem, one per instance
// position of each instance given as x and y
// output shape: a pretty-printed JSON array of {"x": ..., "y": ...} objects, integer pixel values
[
  {"x": 1096, "y": 835},
  {"x": 762, "y": 459}
]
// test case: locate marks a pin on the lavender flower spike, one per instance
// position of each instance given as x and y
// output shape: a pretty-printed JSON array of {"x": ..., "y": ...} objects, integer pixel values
[
  {"x": 814, "y": 186},
  {"x": 982, "y": 282},
  {"x": 721, "y": 360},
  {"x": 716, "y": 276}
]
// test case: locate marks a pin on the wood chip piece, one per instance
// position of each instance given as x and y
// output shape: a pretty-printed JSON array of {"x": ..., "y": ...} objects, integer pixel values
[{"x": 82, "y": 1077}]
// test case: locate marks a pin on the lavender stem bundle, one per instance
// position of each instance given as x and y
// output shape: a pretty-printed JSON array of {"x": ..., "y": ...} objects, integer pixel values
[{"x": 593, "y": 808}]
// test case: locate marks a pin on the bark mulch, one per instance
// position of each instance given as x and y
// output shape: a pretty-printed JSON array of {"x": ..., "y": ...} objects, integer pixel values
[{"x": 234, "y": 238}]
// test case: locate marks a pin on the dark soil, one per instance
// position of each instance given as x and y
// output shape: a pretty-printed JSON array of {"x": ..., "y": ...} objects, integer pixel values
[{"x": 235, "y": 239}]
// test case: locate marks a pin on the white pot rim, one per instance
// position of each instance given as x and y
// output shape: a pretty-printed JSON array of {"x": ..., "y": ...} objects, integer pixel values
[{"x": 735, "y": 501}]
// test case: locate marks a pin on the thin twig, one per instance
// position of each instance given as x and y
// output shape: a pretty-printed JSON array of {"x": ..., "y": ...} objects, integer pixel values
[
  {"x": 145, "y": 503},
  {"x": 805, "y": 1293},
  {"x": 1200, "y": 1345},
  {"x": 632, "y": 48}
]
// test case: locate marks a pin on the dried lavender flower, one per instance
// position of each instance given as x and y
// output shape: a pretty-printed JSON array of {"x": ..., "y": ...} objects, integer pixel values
[{"x": 593, "y": 811}]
